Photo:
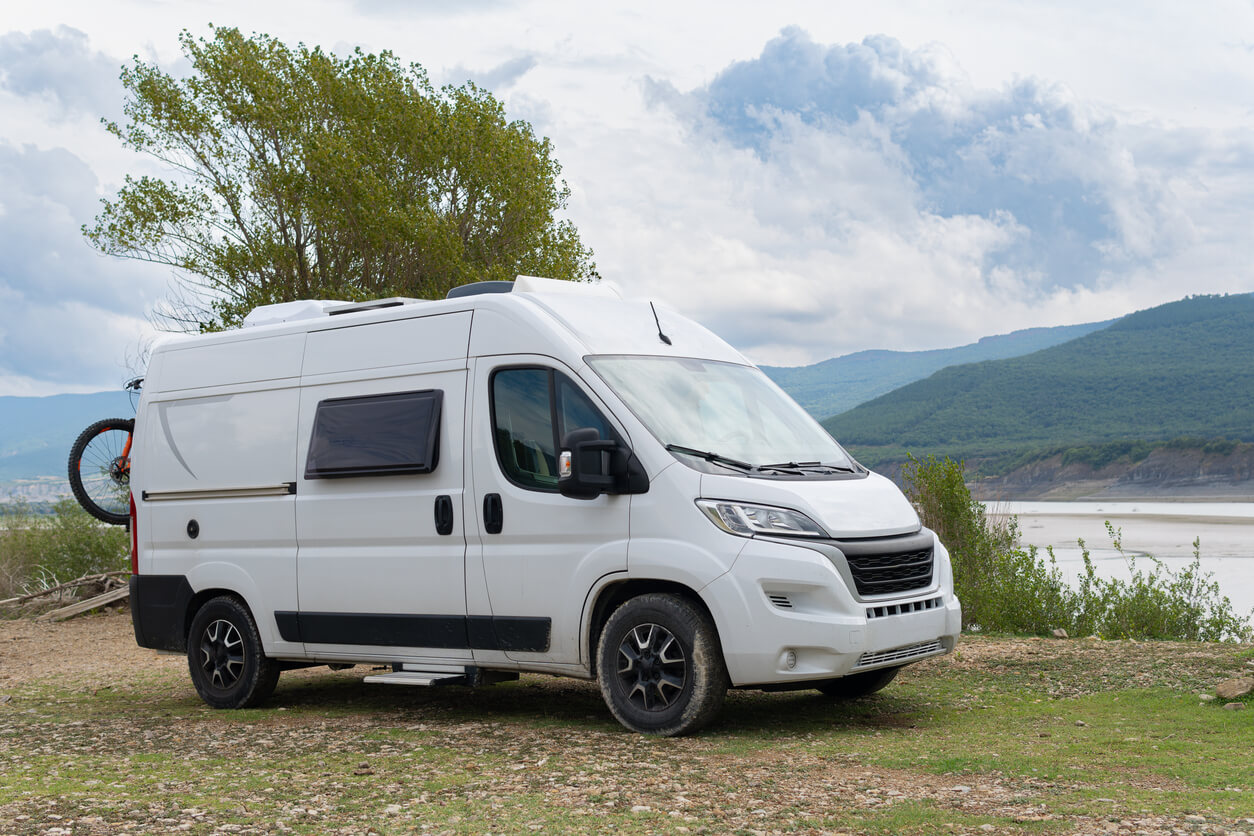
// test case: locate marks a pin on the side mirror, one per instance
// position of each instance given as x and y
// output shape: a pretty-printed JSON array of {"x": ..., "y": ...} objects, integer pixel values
[{"x": 589, "y": 466}]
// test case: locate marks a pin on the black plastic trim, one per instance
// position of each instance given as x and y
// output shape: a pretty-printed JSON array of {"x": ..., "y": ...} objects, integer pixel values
[
  {"x": 527, "y": 634},
  {"x": 159, "y": 611},
  {"x": 444, "y": 515},
  {"x": 493, "y": 513},
  {"x": 289, "y": 627}
]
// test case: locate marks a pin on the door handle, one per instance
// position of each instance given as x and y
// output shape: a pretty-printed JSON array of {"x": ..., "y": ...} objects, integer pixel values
[
  {"x": 493, "y": 513},
  {"x": 443, "y": 514}
]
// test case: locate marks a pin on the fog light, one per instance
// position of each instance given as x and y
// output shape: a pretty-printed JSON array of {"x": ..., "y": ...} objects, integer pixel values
[{"x": 790, "y": 659}]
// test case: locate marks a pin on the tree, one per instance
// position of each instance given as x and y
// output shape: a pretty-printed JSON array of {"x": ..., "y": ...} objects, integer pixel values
[{"x": 298, "y": 174}]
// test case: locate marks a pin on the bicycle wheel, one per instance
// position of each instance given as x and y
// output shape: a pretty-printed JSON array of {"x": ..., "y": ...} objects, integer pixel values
[{"x": 100, "y": 469}]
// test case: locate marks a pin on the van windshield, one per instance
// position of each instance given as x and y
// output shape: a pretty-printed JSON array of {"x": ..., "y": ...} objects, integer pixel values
[{"x": 721, "y": 417}]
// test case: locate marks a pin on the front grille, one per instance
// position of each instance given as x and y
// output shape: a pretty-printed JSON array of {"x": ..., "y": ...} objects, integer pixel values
[
  {"x": 900, "y": 654},
  {"x": 884, "y": 574}
]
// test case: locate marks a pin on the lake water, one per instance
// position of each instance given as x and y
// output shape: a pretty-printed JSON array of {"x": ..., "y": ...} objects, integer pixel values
[{"x": 1166, "y": 530}]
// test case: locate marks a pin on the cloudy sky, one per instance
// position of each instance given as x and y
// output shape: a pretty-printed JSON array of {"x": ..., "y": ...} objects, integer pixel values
[{"x": 808, "y": 179}]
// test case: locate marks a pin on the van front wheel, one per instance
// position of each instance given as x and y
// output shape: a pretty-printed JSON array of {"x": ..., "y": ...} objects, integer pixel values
[
  {"x": 660, "y": 666},
  {"x": 225, "y": 658}
]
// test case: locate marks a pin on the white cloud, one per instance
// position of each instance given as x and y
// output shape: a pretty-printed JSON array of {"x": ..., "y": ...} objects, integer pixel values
[
  {"x": 824, "y": 199},
  {"x": 59, "y": 65},
  {"x": 496, "y": 79},
  {"x": 70, "y": 314},
  {"x": 974, "y": 171}
]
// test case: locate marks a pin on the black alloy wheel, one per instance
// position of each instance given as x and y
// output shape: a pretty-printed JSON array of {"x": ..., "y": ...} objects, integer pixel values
[
  {"x": 660, "y": 665},
  {"x": 225, "y": 656}
]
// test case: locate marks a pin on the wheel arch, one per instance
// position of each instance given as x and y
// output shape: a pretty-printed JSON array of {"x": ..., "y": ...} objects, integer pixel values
[
  {"x": 613, "y": 594},
  {"x": 204, "y": 596}
]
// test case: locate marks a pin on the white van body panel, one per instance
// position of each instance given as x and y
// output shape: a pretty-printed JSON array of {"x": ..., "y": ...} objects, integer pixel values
[
  {"x": 671, "y": 542},
  {"x": 217, "y": 416},
  {"x": 252, "y": 427},
  {"x": 231, "y": 359},
  {"x": 354, "y": 349}
]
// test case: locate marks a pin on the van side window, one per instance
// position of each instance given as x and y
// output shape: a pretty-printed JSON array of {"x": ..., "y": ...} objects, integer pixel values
[
  {"x": 375, "y": 435},
  {"x": 532, "y": 409}
]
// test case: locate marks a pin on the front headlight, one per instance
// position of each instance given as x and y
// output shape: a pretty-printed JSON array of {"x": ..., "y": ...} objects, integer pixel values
[{"x": 747, "y": 520}]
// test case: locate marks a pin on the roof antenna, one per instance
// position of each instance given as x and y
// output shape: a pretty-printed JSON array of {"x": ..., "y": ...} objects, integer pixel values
[{"x": 660, "y": 335}]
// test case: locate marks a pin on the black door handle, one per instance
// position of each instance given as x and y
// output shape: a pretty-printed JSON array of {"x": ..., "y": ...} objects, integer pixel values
[
  {"x": 443, "y": 514},
  {"x": 493, "y": 513}
]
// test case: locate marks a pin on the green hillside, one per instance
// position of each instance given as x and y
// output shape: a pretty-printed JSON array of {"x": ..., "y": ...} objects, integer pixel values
[
  {"x": 834, "y": 386},
  {"x": 1182, "y": 369}
]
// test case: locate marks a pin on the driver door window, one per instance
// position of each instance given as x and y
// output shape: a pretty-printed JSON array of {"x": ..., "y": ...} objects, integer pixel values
[{"x": 532, "y": 408}]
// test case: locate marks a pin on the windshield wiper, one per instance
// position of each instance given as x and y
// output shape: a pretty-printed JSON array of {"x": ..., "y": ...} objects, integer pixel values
[
  {"x": 799, "y": 467},
  {"x": 713, "y": 458}
]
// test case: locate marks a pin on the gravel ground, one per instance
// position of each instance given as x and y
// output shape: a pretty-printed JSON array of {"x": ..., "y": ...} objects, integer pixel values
[{"x": 542, "y": 756}]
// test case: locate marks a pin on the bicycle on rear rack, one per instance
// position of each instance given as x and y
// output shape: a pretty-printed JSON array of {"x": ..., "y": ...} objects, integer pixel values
[{"x": 100, "y": 466}]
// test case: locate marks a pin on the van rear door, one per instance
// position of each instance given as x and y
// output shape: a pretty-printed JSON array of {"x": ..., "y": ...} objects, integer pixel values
[{"x": 379, "y": 513}]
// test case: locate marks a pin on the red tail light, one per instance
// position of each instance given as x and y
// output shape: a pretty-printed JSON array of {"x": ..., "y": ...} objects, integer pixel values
[{"x": 134, "y": 527}]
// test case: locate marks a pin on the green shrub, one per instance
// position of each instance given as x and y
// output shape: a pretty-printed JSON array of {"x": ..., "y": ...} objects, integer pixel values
[
  {"x": 41, "y": 550},
  {"x": 1006, "y": 588},
  {"x": 1156, "y": 603},
  {"x": 1003, "y": 588}
]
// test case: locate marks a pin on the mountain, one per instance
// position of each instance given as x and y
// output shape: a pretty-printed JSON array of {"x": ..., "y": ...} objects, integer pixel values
[
  {"x": 38, "y": 432},
  {"x": 1184, "y": 369},
  {"x": 834, "y": 386}
]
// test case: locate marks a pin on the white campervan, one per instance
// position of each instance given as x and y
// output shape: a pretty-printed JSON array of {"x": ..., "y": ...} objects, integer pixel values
[{"x": 527, "y": 476}]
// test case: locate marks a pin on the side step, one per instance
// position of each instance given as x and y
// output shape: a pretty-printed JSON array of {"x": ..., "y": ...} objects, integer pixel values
[
  {"x": 418, "y": 678},
  {"x": 443, "y": 675}
]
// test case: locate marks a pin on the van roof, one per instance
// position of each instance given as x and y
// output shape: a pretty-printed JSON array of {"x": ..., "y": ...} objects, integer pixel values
[
  {"x": 593, "y": 315},
  {"x": 316, "y": 308}
]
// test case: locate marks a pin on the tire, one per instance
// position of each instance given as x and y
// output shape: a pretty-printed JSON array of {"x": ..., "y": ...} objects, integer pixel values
[
  {"x": 225, "y": 658},
  {"x": 859, "y": 684},
  {"x": 99, "y": 468},
  {"x": 660, "y": 666}
]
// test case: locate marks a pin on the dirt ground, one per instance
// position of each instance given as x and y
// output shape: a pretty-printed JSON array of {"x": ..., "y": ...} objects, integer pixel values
[{"x": 322, "y": 743}]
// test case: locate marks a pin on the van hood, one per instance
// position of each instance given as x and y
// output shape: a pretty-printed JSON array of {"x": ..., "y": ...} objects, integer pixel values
[{"x": 870, "y": 507}]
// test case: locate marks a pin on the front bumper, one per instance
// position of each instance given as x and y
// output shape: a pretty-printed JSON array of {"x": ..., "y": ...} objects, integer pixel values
[{"x": 784, "y": 603}]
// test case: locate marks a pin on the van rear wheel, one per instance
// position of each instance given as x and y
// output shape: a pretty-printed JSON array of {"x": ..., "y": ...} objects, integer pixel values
[
  {"x": 225, "y": 657},
  {"x": 660, "y": 666},
  {"x": 859, "y": 684}
]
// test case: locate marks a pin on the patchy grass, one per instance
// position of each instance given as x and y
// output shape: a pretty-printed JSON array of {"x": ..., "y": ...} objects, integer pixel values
[{"x": 1017, "y": 735}]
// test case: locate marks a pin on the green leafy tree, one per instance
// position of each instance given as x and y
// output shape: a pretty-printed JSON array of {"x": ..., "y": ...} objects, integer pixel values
[{"x": 297, "y": 174}]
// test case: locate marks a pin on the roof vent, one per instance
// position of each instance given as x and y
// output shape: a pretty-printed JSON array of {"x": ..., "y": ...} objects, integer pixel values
[{"x": 289, "y": 311}]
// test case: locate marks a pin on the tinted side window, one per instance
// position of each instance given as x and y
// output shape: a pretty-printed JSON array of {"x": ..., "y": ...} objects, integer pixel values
[
  {"x": 575, "y": 411},
  {"x": 531, "y": 410},
  {"x": 523, "y": 423},
  {"x": 375, "y": 435}
]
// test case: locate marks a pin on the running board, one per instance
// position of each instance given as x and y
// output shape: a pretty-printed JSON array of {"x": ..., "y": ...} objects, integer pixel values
[
  {"x": 443, "y": 675},
  {"x": 418, "y": 678}
]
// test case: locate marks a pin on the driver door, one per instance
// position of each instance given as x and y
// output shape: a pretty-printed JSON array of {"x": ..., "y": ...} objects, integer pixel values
[{"x": 535, "y": 554}]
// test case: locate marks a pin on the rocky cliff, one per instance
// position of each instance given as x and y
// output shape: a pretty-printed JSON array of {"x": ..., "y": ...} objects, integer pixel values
[{"x": 1165, "y": 472}]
